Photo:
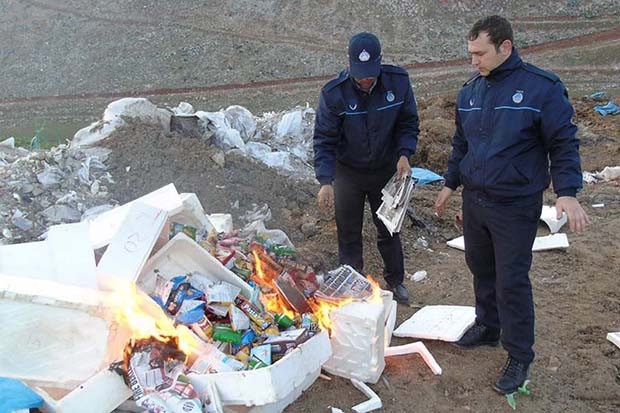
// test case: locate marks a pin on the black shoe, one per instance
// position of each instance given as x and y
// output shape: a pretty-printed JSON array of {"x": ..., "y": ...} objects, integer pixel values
[
  {"x": 514, "y": 374},
  {"x": 401, "y": 295},
  {"x": 479, "y": 335}
]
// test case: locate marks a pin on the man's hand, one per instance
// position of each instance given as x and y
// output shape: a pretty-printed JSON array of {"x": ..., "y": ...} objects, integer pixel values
[
  {"x": 577, "y": 217},
  {"x": 402, "y": 167},
  {"x": 442, "y": 199},
  {"x": 326, "y": 197}
]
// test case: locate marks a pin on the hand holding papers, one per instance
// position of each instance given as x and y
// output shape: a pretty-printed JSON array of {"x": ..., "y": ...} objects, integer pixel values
[{"x": 396, "y": 195}]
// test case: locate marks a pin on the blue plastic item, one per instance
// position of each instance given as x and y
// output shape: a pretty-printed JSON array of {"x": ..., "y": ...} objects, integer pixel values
[
  {"x": 15, "y": 395},
  {"x": 609, "y": 109},
  {"x": 424, "y": 176}
]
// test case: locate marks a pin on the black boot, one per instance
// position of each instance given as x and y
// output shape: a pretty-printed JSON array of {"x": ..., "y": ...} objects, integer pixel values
[
  {"x": 400, "y": 293},
  {"x": 479, "y": 335},
  {"x": 514, "y": 374}
]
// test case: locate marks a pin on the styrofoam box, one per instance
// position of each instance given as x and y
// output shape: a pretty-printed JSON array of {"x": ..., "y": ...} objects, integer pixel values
[
  {"x": 266, "y": 390},
  {"x": 56, "y": 340},
  {"x": 183, "y": 255},
  {"x": 358, "y": 341}
]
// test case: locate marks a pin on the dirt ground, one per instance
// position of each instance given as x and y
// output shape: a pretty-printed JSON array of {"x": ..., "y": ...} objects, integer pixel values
[{"x": 575, "y": 291}]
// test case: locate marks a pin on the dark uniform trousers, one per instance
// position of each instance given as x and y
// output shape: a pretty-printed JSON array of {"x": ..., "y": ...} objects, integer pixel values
[
  {"x": 351, "y": 189},
  {"x": 498, "y": 251}
]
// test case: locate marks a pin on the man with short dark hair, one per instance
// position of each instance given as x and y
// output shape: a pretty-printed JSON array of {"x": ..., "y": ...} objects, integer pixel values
[
  {"x": 366, "y": 129},
  {"x": 513, "y": 136}
]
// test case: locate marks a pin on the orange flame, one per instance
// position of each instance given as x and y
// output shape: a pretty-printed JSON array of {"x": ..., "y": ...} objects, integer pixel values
[
  {"x": 274, "y": 303},
  {"x": 376, "y": 291},
  {"x": 144, "y": 318}
]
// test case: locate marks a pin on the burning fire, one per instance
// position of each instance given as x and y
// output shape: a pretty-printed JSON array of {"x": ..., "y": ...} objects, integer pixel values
[
  {"x": 144, "y": 318},
  {"x": 274, "y": 302}
]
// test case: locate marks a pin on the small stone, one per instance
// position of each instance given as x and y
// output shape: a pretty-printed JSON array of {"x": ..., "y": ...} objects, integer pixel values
[{"x": 309, "y": 229}]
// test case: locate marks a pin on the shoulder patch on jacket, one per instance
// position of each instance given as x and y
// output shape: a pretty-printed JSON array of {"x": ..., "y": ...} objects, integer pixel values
[
  {"x": 472, "y": 78},
  {"x": 394, "y": 69},
  {"x": 342, "y": 76},
  {"x": 538, "y": 71}
]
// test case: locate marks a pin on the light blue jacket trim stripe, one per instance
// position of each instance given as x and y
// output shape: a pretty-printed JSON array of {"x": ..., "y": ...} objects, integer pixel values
[
  {"x": 518, "y": 108},
  {"x": 468, "y": 109},
  {"x": 391, "y": 106},
  {"x": 352, "y": 113}
]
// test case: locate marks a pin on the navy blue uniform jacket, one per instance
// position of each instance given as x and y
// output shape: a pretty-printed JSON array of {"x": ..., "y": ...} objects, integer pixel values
[
  {"x": 362, "y": 130},
  {"x": 509, "y": 125}
]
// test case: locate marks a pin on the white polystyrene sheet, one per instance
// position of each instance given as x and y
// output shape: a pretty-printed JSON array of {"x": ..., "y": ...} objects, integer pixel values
[
  {"x": 65, "y": 256},
  {"x": 50, "y": 344},
  {"x": 549, "y": 217},
  {"x": 458, "y": 243},
  {"x": 29, "y": 258},
  {"x": 182, "y": 255},
  {"x": 438, "y": 322},
  {"x": 72, "y": 256},
  {"x": 614, "y": 338},
  {"x": 131, "y": 245},
  {"x": 105, "y": 226},
  {"x": 548, "y": 242}
]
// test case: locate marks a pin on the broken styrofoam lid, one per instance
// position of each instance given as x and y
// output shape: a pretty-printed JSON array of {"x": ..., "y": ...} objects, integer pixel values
[
  {"x": 438, "y": 322},
  {"x": 614, "y": 338},
  {"x": 549, "y": 216},
  {"x": 373, "y": 403}
]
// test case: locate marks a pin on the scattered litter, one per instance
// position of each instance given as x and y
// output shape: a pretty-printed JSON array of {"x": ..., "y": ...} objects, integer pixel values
[
  {"x": 373, "y": 403},
  {"x": 417, "y": 347},
  {"x": 438, "y": 322},
  {"x": 609, "y": 173},
  {"x": 614, "y": 338},
  {"x": 418, "y": 276},
  {"x": 510, "y": 398},
  {"x": 335, "y": 410},
  {"x": 549, "y": 216},
  {"x": 609, "y": 109},
  {"x": 598, "y": 95},
  {"x": 598, "y": 205}
]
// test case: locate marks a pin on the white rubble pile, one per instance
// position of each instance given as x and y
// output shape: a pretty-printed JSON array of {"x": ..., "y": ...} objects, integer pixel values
[
  {"x": 279, "y": 140},
  {"x": 40, "y": 188}
]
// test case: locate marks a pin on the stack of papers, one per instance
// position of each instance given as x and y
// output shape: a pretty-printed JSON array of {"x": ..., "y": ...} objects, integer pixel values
[{"x": 396, "y": 195}]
